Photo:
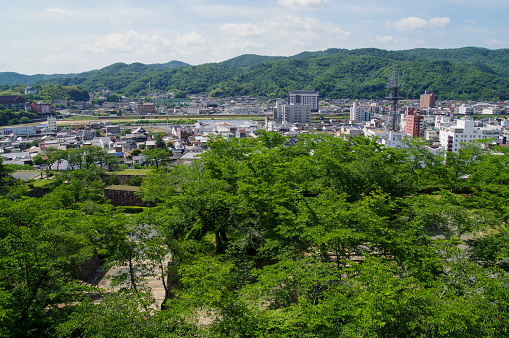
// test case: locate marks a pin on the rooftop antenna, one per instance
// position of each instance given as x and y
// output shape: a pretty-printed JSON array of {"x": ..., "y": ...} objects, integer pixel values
[{"x": 394, "y": 86}]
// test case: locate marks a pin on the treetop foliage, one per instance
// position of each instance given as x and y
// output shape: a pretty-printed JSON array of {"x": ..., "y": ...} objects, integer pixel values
[{"x": 328, "y": 237}]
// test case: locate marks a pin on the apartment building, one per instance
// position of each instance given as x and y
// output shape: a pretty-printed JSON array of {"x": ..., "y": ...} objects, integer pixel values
[
  {"x": 300, "y": 113},
  {"x": 302, "y": 97},
  {"x": 413, "y": 123},
  {"x": 464, "y": 131},
  {"x": 360, "y": 113},
  {"x": 42, "y": 108}
]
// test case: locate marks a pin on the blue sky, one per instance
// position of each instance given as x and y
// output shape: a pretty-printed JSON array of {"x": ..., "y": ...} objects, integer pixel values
[{"x": 57, "y": 36}]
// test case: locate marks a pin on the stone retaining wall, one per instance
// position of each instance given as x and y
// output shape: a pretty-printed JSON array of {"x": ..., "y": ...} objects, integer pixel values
[{"x": 124, "y": 196}]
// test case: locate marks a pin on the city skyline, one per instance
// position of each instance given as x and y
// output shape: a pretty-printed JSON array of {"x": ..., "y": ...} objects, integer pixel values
[{"x": 46, "y": 37}]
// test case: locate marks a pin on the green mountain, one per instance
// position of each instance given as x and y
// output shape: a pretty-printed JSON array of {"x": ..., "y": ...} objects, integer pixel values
[
  {"x": 496, "y": 61},
  {"x": 360, "y": 73},
  {"x": 248, "y": 60},
  {"x": 11, "y": 78},
  {"x": 463, "y": 73}
]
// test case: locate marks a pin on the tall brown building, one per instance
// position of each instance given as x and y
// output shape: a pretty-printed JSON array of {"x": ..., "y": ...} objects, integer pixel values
[
  {"x": 427, "y": 100},
  {"x": 146, "y": 108}
]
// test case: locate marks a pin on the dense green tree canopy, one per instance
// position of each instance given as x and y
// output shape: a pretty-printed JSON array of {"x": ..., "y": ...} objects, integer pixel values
[{"x": 325, "y": 238}]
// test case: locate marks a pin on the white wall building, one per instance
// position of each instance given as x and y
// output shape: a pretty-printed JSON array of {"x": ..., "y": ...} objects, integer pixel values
[
  {"x": 29, "y": 90},
  {"x": 465, "y": 110},
  {"x": 359, "y": 113},
  {"x": 52, "y": 123},
  {"x": 243, "y": 110},
  {"x": 390, "y": 138},
  {"x": 465, "y": 131},
  {"x": 19, "y": 131},
  {"x": 193, "y": 111},
  {"x": 278, "y": 111},
  {"x": 491, "y": 111}
]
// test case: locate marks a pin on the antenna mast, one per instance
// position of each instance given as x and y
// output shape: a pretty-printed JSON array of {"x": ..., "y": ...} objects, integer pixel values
[{"x": 394, "y": 85}]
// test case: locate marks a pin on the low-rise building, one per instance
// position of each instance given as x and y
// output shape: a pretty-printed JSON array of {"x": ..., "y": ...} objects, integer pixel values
[
  {"x": 147, "y": 108},
  {"x": 19, "y": 131},
  {"x": 15, "y": 102},
  {"x": 42, "y": 108},
  {"x": 389, "y": 138}
]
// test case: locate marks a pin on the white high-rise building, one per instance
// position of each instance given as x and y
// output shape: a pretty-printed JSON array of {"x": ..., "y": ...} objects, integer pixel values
[
  {"x": 278, "y": 111},
  {"x": 359, "y": 113}
]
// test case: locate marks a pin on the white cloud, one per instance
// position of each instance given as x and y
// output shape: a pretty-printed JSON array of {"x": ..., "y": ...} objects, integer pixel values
[
  {"x": 191, "y": 44},
  {"x": 129, "y": 42},
  {"x": 307, "y": 24},
  {"x": 494, "y": 42},
  {"x": 385, "y": 39},
  {"x": 243, "y": 45},
  {"x": 119, "y": 22},
  {"x": 242, "y": 29},
  {"x": 415, "y": 23},
  {"x": 289, "y": 21},
  {"x": 336, "y": 30},
  {"x": 284, "y": 27},
  {"x": 60, "y": 11},
  {"x": 192, "y": 39},
  {"x": 295, "y": 4}
]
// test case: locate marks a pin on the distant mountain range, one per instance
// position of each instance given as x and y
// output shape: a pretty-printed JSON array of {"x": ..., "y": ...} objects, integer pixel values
[{"x": 462, "y": 73}]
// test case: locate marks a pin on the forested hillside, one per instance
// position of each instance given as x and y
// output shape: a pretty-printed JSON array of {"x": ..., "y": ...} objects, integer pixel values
[
  {"x": 11, "y": 78},
  {"x": 48, "y": 92},
  {"x": 327, "y": 238},
  {"x": 463, "y": 74},
  {"x": 496, "y": 61}
]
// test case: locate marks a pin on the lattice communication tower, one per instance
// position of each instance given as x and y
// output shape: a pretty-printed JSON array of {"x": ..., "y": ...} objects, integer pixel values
[{"x": 394, "y": 86}]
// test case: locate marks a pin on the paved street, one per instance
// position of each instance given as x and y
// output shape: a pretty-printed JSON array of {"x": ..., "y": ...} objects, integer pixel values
[{"x": 27, "y": 175}]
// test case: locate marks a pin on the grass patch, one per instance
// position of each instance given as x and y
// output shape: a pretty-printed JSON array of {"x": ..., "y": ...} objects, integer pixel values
[
  {"x": 40, "y": 183},
  {"x": 133, "y": 172},
  {"x": 123, "y": 187}
]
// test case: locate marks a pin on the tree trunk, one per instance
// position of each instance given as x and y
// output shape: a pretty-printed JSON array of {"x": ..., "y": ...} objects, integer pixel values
[{"x": 172, "y": 283}]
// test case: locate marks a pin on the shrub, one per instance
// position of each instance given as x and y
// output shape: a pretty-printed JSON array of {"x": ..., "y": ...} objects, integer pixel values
[
  {"x": 111, "y": 180},
  {"x": 134, "y": 181},
  {"x": 130, "y": 209}
]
